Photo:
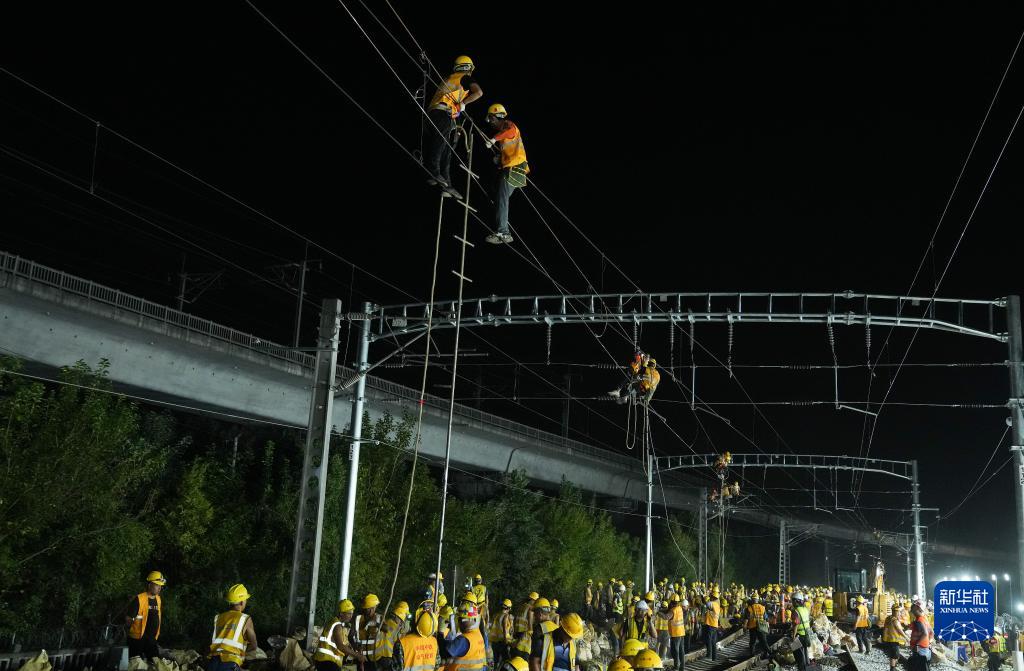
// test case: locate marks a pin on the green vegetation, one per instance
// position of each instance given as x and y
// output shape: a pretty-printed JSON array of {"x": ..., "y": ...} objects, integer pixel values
[{"x": 95, "y": 491}]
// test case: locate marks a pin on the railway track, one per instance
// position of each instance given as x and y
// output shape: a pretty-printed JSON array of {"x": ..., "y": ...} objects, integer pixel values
[{"x": 733, "y": 655}]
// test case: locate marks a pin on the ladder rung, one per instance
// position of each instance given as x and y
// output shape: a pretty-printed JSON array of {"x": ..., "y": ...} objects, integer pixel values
[
  {"x": 464, "y": 204},
  {"x": 461, "y": 276},
  {"x": 463, "y": 240}
]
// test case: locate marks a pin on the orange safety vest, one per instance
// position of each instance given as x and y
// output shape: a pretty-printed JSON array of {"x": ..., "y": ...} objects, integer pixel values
[
  {"x": 449, "y": 96},
  {"x": 138, "y": 627},
  {"x": 755, "y": 612},
  {"x": 475, "y": 658},
  {"x": 514, "y": 153},
  {"x": 676, "y": 622},
  {"x": 650, "y": 379},
  {"x": 420, "y": 652},
  {"x": 923, "y": 639},
  {"x": 712, "y": 613}
]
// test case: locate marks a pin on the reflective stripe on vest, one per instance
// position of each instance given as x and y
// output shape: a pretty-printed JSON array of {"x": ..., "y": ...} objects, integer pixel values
[
  {"x": 138, "y": 627},
  {"x": 513, "y": 153},
  {"x": 755, "y": 613},
  {"x": 523, "y": 618},
  {"x": 890, "y": 634},
  {"x": 475, "y": 657},
  {"x": 828, "y": 607},
  {"x": 387, "y": 638},
  {"x": 805, "y": 620},
  {"x": 327, "y": 650},
  {"x": 677, "y": 623},
  {"x": 227, "y": 640},
  {"x": 366, "y": 630},
  {"x": 711, "y": 617},
  {"x": 449, "y": 96}
]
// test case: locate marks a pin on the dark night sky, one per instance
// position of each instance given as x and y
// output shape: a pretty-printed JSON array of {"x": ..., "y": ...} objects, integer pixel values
[{"x": 764, "y": 147}]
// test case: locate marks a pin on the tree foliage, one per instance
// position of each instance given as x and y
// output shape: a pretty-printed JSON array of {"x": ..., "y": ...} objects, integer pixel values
[{"x": 95, "y": 491}]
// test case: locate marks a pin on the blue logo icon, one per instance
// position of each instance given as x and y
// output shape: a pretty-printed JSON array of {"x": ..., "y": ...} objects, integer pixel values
[{"x": 964, "y": 610}]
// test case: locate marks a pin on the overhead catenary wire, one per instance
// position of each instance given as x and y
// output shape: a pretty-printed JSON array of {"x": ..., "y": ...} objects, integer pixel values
[{"x": 974, "y": 488}]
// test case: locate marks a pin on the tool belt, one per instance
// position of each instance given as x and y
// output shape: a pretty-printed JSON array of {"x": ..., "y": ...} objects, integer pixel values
[{"x": 516, "y": 176}]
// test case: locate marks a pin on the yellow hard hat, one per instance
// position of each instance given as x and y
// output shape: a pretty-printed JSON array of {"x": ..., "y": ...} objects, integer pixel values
[
  {"x": 156, "y": 577},
  {"x": 647, "y": 659},
  {"x": 860, "y": 599},
  {"x": 447, "y": 612},
  {"x": 649, "y": 596},
  {"x": 541, "y": 603},
  {"x": 371, "y": 601},
  {"x": 442, "y": 601},
  {"x": 534, "y": 596},
  {"x": 590, "y": 581},
  {"x": 664, "y": 604},
  {"x": 554, "y": 603},
  {"x": 516, "y": 664},
  {"x": 497, "y": 110},
  {"x": 346, "y": 606},
  {"x": 237, "y": 594},
  {"x": 674, "y": 598},
  {"x": 401, "y": 610},
  {"x": 426, "y": 625},
  {"x": 477, "y": 577},
  {"x": 470, "y": 597},
  {"x": 572, "y": 624},
  {"x": 507, "y": 603},
  {"x": 619, "y": 664},
  {"x": 632, "y": 646},
  {"x": 463, "y": 64}
]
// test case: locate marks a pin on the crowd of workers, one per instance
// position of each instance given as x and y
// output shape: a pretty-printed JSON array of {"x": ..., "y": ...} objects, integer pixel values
[
  {"x": 645, "y": 629},
  {"x": 449, "y": 101}
]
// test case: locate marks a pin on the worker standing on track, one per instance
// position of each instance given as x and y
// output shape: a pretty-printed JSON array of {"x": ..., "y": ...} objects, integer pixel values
[
  {"x": 512, "y": 168},
  {"x": 920, "y": 640},
  {"x": 334, "y": 646},
  {"x": 458, "y": 90},
  {"x": 712, "y": 611},
  {"x": 501, "y": 634},
  {"x": 861, "y": 626},
  {"x": 801, "y": 630},
  {"x": 757, "y": 625},
  {"x": 893, "y": 638},
  {"x": 365, "y": 627},
  {"x": 233, "y": 633},
  {"x": 677, "y": 630},
  {"x": 391, "y": 630},
  {"x": 417, "y": 650},
  {"x": 661, "y": 619},
  {"x": 144, "y": 615}
]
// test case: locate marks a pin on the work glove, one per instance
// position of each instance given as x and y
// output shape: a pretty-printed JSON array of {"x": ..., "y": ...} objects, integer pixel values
[{"x": 489, "y": 143}]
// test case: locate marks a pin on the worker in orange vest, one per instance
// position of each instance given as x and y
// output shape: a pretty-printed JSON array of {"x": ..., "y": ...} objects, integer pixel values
[
  {"x": 920, "y": 640},
  {"x": 144, "y": 615},
  {"x": 861, "y": 627},
  {"x": 512, "y": 168}
]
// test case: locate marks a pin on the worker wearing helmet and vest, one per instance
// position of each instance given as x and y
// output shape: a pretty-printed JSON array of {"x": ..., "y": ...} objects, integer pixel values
[
  {"x": 588, "y": 600},
  {"x": 556, "y": 648},
  {"x": 143, "y": 616},
  {"x": 512, "y": 168},
  {"x": 801, "y": 629},
  {"x": 712, "y": 611},
  {"x": 365, "y": 628},
  {"x": 828, "y": 607},
  {"x": 449, "y": 100},
  {"x": 893, "y": 638},
  {"x": 677, "y": 630},
  {"x": 861, "y": 627},
  {"x": 467, "y": 650},
  {"x": 920, "y": 640},
  {"x": 757, "y": 625},
  {"x": 333, "y": 646},
  {"x": 391, "y": 630},
  {"x": 233, "y": 633},
  {"x": 502, "y": 633},
  {"x": 480, "y": 590},
  {"x": 417, "y": 650}
]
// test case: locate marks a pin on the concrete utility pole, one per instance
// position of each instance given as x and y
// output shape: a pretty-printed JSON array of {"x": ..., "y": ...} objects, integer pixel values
[
  {"x": 915, "y": 492},
  {"x": 357, "y": 436},
  {"x": 649, "y": 559},
  {"x": 309, "y": 530},
  {"x": 1014, "y": 343},
  {"x": 702, "y": 540}
]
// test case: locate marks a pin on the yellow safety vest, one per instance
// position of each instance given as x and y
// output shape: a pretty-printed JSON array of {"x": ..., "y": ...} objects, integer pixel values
[
  {"x": 523, "y": 617},
  {"x": 862, "y": 617},
  {"x": 890, "y": 633},
  {"x": 481, "y": 594},
  {"x": 660, "y": 622},
  {"x": 475, "y": 658},
  {"x": 588, "y": 595},
  {"x": 547, "y": 653},
  {"x": 805, "y": 620},
  {"x": 366, "y": 630},
  {"x": 326, "y": 649},
  {"x": 501, "y": 629},
  {"x": 449, "y": 96},
  {"x": 138, "y": 627},
  {"x": 419, "y": 652},
  {"x": 228, "y": 642},
  {"x": 828, "y": 607},
  {"x": 389, "y": 634},
  {"x": 677, "y": 622}
]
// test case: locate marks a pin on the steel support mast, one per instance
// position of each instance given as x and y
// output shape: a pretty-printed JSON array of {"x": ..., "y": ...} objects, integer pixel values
[{"x": 1015, "y": 345}]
